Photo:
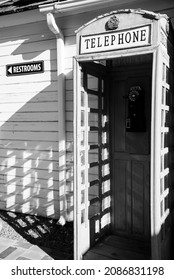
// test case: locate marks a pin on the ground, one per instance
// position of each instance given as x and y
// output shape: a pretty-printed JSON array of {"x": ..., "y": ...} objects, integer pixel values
[{"x": 40, "y": 231}]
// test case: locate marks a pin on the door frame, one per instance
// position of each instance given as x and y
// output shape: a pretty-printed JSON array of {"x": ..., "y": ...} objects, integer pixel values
[{"x": 154, "y": 149}]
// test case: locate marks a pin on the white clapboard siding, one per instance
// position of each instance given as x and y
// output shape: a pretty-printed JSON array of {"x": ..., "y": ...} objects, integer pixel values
[
  {"x": 27, "y": 166},
  {"x": 29, "y": 169},
  {"x": 27, "y": 47},
  {"x": 40, "y": 186},
  {"x": 35, "y": 96},
  {"x": 28, "y": 107},
  {"x": 29, "y": 135},
  {"x": 47, "y": 76},
  {"x": 29, "y": 126},
  {"x": 13, "y": 173},
  {"x": 29, "y": 145},
  {"x": 35, "y": 116},
  {"x": 47, "y": 194},
  {"x": 29, "y": 154},
  {"x": 49, "y": 210},
  {"x": 45, "y": 55},
  {"x": 22, "y": 39},
  {"x": 18, "y": 202},
  {"x": 26, "y": 31},
  {"x": 34, "y": 86}
]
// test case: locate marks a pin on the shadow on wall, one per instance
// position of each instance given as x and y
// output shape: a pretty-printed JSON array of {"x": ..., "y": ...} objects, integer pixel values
[{"x": 29, "y": 134}]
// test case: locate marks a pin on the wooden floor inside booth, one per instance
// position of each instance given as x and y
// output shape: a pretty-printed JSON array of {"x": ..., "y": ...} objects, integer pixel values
[{"x": 119, "y": 248}]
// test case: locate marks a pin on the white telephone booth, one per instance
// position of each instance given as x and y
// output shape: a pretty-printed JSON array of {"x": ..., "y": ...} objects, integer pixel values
[{"x": 123, "y": 131}]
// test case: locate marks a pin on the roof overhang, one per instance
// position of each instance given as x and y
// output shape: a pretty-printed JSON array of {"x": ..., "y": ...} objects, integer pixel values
[{"x": 80, "y": 6}]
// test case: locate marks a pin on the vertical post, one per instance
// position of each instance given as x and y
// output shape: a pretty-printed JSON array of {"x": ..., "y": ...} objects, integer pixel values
[
  {"x": 155, "y": 155},
  {"x": 76, "y": 124}
]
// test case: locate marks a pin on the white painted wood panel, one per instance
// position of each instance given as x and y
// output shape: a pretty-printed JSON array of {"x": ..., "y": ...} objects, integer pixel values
[
  {"x": 29, "y": 154},
  {"x": 35, "y": 87},
  {"x": 28, "y": 145},
  {"x": 29, "y": 126},
  {"x": 35, "y": 116},
  {"x": 29, "y": 123}
]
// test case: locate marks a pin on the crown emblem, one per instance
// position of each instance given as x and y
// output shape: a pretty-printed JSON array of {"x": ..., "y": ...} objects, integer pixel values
[{"x": 112, "y": 23}]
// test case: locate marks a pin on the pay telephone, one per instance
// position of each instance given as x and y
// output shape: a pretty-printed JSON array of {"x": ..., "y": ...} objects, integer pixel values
[{"x": 136, "y": 120}]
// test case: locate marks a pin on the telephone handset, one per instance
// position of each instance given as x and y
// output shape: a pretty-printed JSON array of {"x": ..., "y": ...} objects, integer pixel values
[{"x": 136, "y": 120}]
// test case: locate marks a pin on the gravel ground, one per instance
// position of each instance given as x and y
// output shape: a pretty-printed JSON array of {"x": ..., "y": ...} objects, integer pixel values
[{"x": 40, "y": 231}]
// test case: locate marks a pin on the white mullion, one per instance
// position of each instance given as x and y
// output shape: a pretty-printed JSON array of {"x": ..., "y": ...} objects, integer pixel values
[{"x": 86, "y": 158}]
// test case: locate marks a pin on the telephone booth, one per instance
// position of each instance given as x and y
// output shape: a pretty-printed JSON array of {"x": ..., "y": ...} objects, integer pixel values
[{"x": 123, "y": 132}]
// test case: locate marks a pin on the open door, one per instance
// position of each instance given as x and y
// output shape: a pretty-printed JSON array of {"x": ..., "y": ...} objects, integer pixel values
[
  {"x": 161, "y": 156},
  {"x": 91, "y": 156}
]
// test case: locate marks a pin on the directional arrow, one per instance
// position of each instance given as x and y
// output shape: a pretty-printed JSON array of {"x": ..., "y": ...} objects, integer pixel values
[
  {"x": 10, "y": 70},
  {"x": 34, "y": 67}
]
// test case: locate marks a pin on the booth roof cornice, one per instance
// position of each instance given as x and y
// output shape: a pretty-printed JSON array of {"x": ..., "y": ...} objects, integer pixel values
[{"x": 144, "y": 13}]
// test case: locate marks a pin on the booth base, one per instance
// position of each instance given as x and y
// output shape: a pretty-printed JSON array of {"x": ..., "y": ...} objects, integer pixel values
[{"x": 119, "y": 248}]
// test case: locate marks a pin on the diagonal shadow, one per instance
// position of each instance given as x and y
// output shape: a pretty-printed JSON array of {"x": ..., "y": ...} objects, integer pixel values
[{"x": 55, "y": 240}]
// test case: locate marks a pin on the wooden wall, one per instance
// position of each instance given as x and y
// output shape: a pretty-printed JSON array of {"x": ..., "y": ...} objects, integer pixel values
[{"x": 29, "y": 123}]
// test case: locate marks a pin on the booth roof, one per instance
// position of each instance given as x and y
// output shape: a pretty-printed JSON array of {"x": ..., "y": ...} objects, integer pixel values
[{"x": 15, "y": 6}]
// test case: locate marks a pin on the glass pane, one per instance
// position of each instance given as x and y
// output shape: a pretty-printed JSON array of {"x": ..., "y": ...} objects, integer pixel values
[
  {"x": 162, "y": 117},
  {"x": 167, "y": 119},
  {"x": 106, "y": 186},
  {"x": 82, "y": 98},
  {"x": 163, "y": 95},
  {"x": 93, "y": 173},
  {"x": 93, "y": 155},
  {"x": 82, "y": 118},
  {"x": 93, "y": 101},
  {"x": 93, "y": 192},
  {"x": 83, "y": 177},
  {"x": 92, "y": 82},
  {"x": 93, "y": 119},
  {"x": 82, "y": 216},
  {"x": 166, "y": 161},
  {"x": 93, "y": 137},
  {"x": 105, "y": 170},
  {"x": 104, "y": 137},
  {"x": 168, "y": 97},
  {"x": 82, "y": 157},
  {"x": 161, "y": 208},
  {"x": 166, "y": 203},
  {"x": 164, "y": 72},
  {"x": 167, "y": 75},
  {"x": 82, "y": 140},
  {"x": 105, "y": 153},
  {"x": 83, "y": 196},
  {"x": 166, "y": 139},
  {"x": 161, "y": 185},
  {"x": 106, "y": 203},
  {"x": 102, "y": 86},
  {"x": 162, "y": 140},
  {"x": 166, "y": 181},
  {"x": 94, "y": 209},
  {"x": 162, "y": 163}
]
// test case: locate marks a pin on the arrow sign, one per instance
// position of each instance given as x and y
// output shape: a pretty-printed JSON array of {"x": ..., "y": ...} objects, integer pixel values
[
  {"x": 34, "y": 67},
  {"x": 10, "y": 70}
]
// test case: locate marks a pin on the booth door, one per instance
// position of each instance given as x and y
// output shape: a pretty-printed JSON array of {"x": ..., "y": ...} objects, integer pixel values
[
  {"x": 131, "y": 151},
  {"x": 91, "y": 157}
]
